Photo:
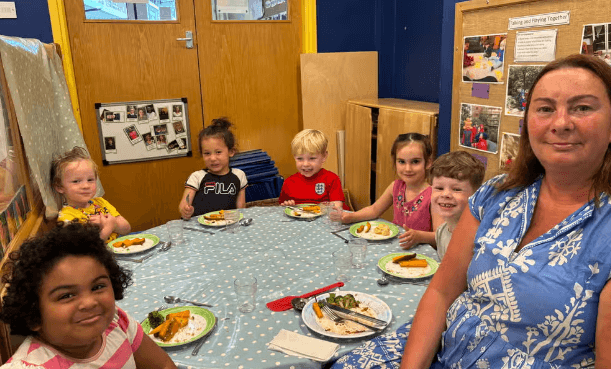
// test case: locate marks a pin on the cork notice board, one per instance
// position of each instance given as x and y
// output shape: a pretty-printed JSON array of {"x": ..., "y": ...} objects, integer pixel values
[{"x": 481, "y": 17}]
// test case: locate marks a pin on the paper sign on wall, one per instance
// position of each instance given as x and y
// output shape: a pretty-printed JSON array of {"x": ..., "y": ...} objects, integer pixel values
[
  {"x": 535, "y": 46},
  {"x": 7, "y": 9},
  {"x": 540, "y": 20}
]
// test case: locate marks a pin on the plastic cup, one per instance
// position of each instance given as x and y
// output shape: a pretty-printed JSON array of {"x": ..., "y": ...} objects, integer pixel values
[
  {"x": 358, "y": 248},
  {"x": 175, "y": 230},
  {"x": 245, "y": 291},
  {"x": 342, "y": 259}
]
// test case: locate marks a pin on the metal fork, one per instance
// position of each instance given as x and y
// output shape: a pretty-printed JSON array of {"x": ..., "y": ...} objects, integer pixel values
[
  {"x": 337, "y": 319},
  {"x": 163, "y": 247}
]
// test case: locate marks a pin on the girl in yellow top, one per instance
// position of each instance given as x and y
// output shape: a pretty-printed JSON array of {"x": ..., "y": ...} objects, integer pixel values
[{"x": 73, "y": 178}]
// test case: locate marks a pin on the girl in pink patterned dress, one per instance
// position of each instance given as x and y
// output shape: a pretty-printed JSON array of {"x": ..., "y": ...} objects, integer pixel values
[{"x": 410, "y": 195}]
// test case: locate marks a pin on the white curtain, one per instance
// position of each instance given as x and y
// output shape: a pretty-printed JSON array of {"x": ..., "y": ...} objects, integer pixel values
[{"x": 43, "y": 108}]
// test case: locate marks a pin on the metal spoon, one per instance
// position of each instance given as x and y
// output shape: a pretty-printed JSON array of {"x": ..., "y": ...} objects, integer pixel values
[
  {"x": 383, "y": 281},
  {"x": 174, "y": 300},
  {"x": 246, "y": 222},
  {"x": 299, "y": 303}
]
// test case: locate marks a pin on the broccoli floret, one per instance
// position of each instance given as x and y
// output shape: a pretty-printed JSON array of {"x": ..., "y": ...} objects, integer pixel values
[{"x": 155, "y": 319}]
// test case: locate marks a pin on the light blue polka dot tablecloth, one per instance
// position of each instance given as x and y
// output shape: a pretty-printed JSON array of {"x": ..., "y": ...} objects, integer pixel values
[{"x": 287, "y": 258}]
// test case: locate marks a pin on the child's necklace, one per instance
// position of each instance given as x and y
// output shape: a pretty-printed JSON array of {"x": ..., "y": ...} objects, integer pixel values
[{"x": 89, "y": 203}]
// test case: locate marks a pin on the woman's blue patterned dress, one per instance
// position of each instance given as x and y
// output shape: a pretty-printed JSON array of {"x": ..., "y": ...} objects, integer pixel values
[{"x": 533, "y": 309}]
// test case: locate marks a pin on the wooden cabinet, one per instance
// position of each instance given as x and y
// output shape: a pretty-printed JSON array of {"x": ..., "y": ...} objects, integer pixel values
[{"x": 371, "y": 128}]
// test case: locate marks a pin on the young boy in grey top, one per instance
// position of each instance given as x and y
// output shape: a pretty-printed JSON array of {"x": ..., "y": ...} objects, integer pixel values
[{"x": 455, "y": 176}]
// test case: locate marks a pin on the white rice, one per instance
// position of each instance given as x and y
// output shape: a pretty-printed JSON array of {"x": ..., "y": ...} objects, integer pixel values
[
  {"x": 196, "y": 325},
  {"x": 347, "y": 326},
  {"x": 407, "y": 272}
]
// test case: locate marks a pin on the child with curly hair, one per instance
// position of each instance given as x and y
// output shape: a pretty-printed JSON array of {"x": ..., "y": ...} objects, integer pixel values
[{"x": 61, "y": 294}]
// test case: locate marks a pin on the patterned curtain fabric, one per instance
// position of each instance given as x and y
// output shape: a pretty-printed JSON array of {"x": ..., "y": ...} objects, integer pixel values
[{"x": 42, "y": 104}]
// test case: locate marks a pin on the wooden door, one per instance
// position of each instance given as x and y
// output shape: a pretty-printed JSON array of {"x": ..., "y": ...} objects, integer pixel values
[
  {"x": 250, "y": 73},
  {"x": 116, "y": 61}
]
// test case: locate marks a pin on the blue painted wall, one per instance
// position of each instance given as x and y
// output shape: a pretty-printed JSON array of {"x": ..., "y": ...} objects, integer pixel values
[
  {"x": 414, "y": 40},
  {"x": 32, "y": 21}
]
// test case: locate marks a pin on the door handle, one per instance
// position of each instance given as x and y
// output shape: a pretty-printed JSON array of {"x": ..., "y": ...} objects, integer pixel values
[{"x": 188, "y": 38}]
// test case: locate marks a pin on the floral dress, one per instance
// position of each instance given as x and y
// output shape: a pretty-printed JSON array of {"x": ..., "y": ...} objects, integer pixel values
[
  {"x": 415, "y": 213},
  {"x": 536, "y": 308}
]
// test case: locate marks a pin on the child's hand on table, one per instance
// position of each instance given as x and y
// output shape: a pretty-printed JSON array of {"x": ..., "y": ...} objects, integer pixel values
[
  {"x": 408, "y": 239},
  {"x": 288, "y": 203}
]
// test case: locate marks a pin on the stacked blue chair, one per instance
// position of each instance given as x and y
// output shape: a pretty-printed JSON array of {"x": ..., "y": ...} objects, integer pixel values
[{"x": 264, "y": 182}]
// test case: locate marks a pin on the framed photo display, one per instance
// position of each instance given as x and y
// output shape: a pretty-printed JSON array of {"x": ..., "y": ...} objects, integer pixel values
[{"x": 143, "y": 130}]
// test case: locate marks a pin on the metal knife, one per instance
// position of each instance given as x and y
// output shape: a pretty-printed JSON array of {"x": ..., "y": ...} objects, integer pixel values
[
  {"x": 198, "y": 230},
  {"x": 203, "y": 339},
  {"x": 297, "y": 208},
  {"x": 358, "y": 317}
]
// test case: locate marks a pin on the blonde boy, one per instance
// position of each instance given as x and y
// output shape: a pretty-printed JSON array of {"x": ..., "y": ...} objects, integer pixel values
[
  {"x": 312, "y": 183},
  {"x": 455, "y": 177}
]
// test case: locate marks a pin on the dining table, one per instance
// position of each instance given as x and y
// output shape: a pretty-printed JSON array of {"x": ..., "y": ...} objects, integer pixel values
[{"x": 287, "y": 256}]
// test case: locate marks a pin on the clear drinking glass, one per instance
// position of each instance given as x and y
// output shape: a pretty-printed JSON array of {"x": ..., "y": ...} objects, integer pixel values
[
  {"x": 231, "y": 219},
  {"x": 358, "y": 248},
  {"x": 342, "y": 259},
  {"x": 175, "y": 231},
  {"x": 245, "y": 291},
  {"x": 335, "y": 216},
  {"x": 325, "y": 209}
]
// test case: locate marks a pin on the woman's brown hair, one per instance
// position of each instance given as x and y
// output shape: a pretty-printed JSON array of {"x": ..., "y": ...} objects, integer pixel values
[{"x": 526, "y": 168}]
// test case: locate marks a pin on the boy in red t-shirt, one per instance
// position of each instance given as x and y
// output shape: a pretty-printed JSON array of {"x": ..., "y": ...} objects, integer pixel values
[{"x": 311, "y": 183}]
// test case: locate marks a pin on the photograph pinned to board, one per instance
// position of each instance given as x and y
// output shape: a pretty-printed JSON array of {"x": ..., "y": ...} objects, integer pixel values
[
  {"x": 479, "y": 127},
  {"x": 142, "y": 116},
  {"x": 164, "y": 114},
  {"x": 149, "y": 141},
  {"x": 160, "y": 129},
  {"x": 151, "y": 113},
  {"x": 520, "y": 79},
  {"x": 107, "y": 116},
  {"x": 172, "y": 146},
  {"x": 179, "y": 128},
  {"x": 131, "y": 113},
  {"x": 133, "y": 134},
  {"x": 162, "y": 141},
  {"x": 176, "y": 112},
  {"x": 144, "y": 130},
  {"x": 509, "y": 150},
  {"x": 118, "y": 116},
  {"x": 110, "y": 145},
  {"x": 249, "y": 10},
  {"x": 593, "y": 41},
  {"x": 483, "y": 58}
]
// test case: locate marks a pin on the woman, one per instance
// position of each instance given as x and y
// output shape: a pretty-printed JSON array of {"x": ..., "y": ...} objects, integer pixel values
[{"x": 534, "y": 247}]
